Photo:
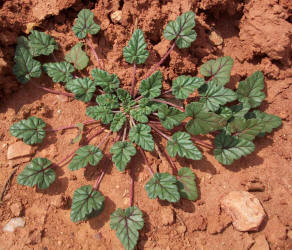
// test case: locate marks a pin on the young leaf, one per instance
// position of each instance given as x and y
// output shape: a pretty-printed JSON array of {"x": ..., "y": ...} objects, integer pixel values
[
  {"x": 163, "y": 186},
  {"x": 240, "y": 109},
  {"x": 225, "y": 112},
  {"x": 203, "y": 121},
  {"x": 140, "y": 134},
  {"x": 122, "y": 152},
  {"x": 229, "y": 148},
  {"x": 126, "y": 99},
  {"x": 170, "y": 117},
  {"x": 246, "y": 129},
  {"x": 85, "y": 155},
  {"x": 41, "y": 44},
  {"x": 269, "y": 121},
  {"x": 118, "y": 122},
  {"x": 182, "y": 145},
  {"x": 85, "y": 202},
  {"x": 78, "y": 57},
  {"x": 140, "y": 114},
  {"x": 136, "y": 51},
  {"x": 109, "y": 100},
  {"x": 183, "y": 86},
  {"x": 250, "y": 90},
  {"x": 59, "y": 71},
  {"x": 30, "y": 130},
  {"x": 82, "y": 88},
  {"x": 186, "y": 184},
  {"x": 85, "y": 24},
  {"x": 127, "y": 223},
  {"x": 37, "y": 172},
  {"x": 25, "y": 66},
  {"x": 100, "y": 112},
  {"x": 151, "y": 87},
  {"x": 218, "y": 70},
  {"x": 108, "y": 82},
  {"x": 182, "y": 30},
  {"x": 214, "y": 95}
]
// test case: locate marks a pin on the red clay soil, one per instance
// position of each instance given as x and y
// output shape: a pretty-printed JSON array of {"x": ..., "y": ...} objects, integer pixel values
[{"x": 257, "y": 34}]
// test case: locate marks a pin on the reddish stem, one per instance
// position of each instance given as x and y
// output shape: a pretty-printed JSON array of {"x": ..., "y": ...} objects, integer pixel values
[
  {"x": 71, "y": 126},
  {"x": 160, "y": 132},
  {"x": 207, "y": 145},
  {"x": 170, "y": 104},
  {"x": 171, "y": 162},
  {"x": 134, "y": 80},
  {"x": 89, "y": 42},
  {"x": 146, "y": 161},
  {"x": 99, "y": 178},
  {"x": 166, "y": 92},
  {"x": 54, "y": 91}
]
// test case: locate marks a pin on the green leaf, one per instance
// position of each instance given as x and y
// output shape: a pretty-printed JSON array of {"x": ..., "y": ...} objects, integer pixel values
[
  {"x": 170, "y": 117},
  {"x": 182, "y": 30},
  {"x": 269, "y": 121},
  {"x": 82, "y": 88},
  {"x": 108, "y": 82},
  {"x": 136, "y": 51},
  {"x": 41, "y": 44},
  {"x": 30, "y": 130},
  {"x": 37, "y": 172},
  {"x": 100, "y": 112},
  {"x": 246, "y": 129},
  {"x": 163, "y": 186},
  {"x": 187, "y": 185},
  {"x": 85, "y": 24},
  {"x": 85, "y": 202},
  {"x": 141, "y": 114},
  {"x": 183, "y": 86},
  {"x": 250, "y": 90},
  {"x": 23, "y": 42},
  {"x": 202, "y": 121},
  {"x": 127, "y": 223},
  {"x": 229, "y": 148},
  {"x": 240, "y": 109},
  {"x": 140, "y": 134},
  {"x": 122, "y": 152},
  {"x": 109, "y": 100},
  {"x": 219, "y": 70},
  {"x": 78, "y": 57},
  {"x": 214, "y": 95},
  {"x": 78, "y": 137},
  {"x": 118, "y": 122},
  {"x": 59, "y": 71},
  {"x": 85, "y": 155},
  {"x": 225, "y": 112},
  {"x": 25, "y": 66},
  {"x": 126, "y": 99},
  {"x": 182, "y": 145},
  {"x": 151, "y": 87}
]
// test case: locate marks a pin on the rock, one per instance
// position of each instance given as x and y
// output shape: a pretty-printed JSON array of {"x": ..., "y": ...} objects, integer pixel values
[
  {"x": 116, "y": 16},
  {"x": 196, "y": 223},
  {"x": 162, "y": 47},
  {"x": 167, "y": 216},
  {"x": 13, "y": 224},
  {"x": 19, "y": 149},
  {"x": 260, "y": 243},
  {"x": 181, "y": 229},
  {"x": 245, "y": 209},
  {"x": 60, "y": 201},
  {"x": 215, "y": 38},
  {"x": 16, "y": 209}
]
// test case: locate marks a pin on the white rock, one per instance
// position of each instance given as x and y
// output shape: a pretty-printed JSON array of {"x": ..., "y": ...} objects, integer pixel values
[
  {"x": 19, "y": 149},
  {"x": 245, "y": 209},
  {"x": 13, "y": 224},
  {"x": 116, "y": 16}
]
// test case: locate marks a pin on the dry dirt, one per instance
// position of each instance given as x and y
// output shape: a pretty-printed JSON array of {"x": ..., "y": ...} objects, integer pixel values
[{"x": 256, "y": 33}]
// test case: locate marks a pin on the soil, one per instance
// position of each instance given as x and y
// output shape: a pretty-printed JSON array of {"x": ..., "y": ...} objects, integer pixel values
[{"x": 257, "y": 34}]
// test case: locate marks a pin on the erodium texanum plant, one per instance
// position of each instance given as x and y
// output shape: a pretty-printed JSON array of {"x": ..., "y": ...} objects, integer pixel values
[{"x": 132, "y": 117}]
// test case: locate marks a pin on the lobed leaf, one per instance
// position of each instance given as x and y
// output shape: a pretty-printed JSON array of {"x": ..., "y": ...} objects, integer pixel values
[
  {"x": 182, "y": 145},
  {"x": 108, "y": 82},
  {"x": 127, "y": 223},
  {"x": 250, "y": 90},
  {"x": 187, "y": 184},
  {"x": 219, "y": 70},
  {"x": 214, "y": 95},
  {"x": 183, "y": 86},
  {"x": 59, "y": 71},
  {"x": 85, "y": 155},
  {"x": 118, "y": 122},
  {"x": 85, "y": 24},
  {"x": 102, "y": 113},
  {"x": 126, "y": 99},
  {"x": 229, "y": 148},
  {"x": 37, "y": 172},
  {"x": 30, "y": 130},
  {"x": 86, "y": 201},
  {"x": 109, "y": 100},
  {"x": 136, "y": 51},
  {"x": 82, "y": 88},
  {"x": 240, "y": 110},
  {"x": 170, "y": 117},
  {"x": 140, "y": 134},
  {"x": 151, "y": 87},
  {"x": 182, "y": 30},
  {"x": 163, "y": 186},
  {"x": 78, "y": 57},
  {"x": 122, "y": 152},
  {"x": 202, "y": 121},
  {"x": 25, "y": 66},
  {"x": 269, "y": 121},
  {"x": 141, "y": 114}
]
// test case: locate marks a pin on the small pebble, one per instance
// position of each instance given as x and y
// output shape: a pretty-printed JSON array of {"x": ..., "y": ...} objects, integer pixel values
[{"x": 13, "y": 224}]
